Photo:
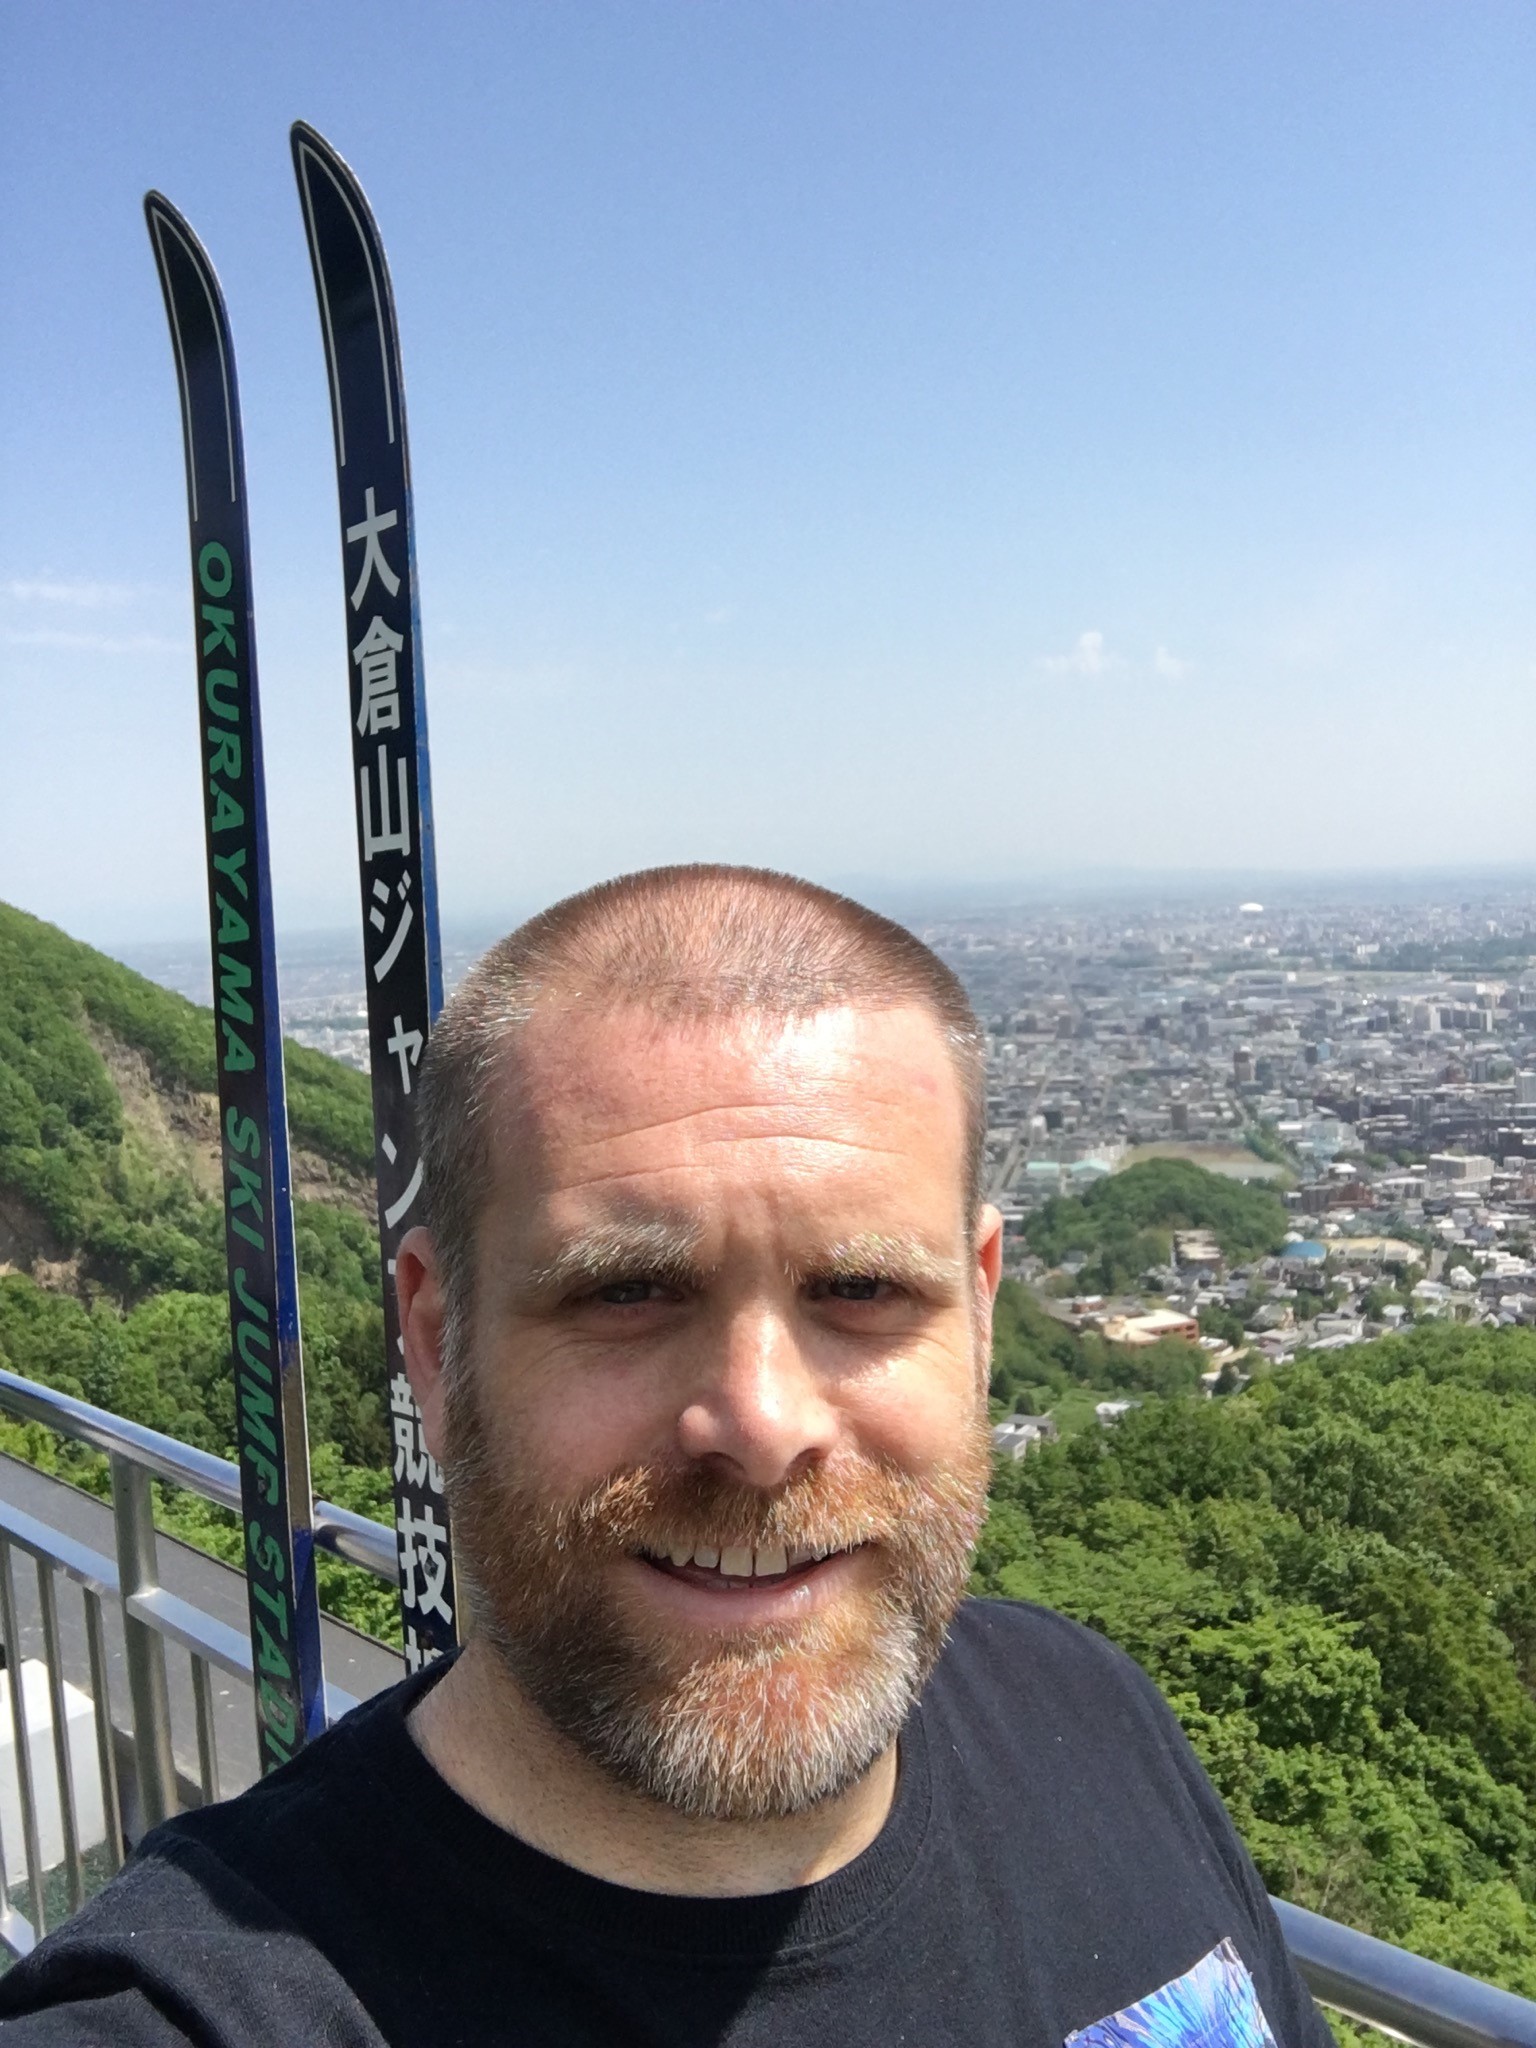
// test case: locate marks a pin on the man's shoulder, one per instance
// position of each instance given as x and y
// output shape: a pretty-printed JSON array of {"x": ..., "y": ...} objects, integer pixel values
[
  {"x": 1015, "y": 1673},
  {"x": 1014, "y": 1639},
  {"x": 181, "y": 1946},
  {"x": 208, "y": 1917},
  {"x": 325, "y": 1785}
]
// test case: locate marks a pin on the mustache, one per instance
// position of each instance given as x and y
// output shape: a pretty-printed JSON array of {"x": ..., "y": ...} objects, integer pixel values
[{"x": 832, "y": 1506}]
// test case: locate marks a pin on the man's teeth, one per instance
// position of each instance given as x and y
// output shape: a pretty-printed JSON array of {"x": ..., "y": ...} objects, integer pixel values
[{"x": 741, "y": 1561}]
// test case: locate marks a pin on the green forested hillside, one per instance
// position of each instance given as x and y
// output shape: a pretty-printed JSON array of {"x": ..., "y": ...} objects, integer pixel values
[
  {"x": 1332, "y": 1575},
  {"x": 111, "y": 1234},
  {"x": 89, "y": 1174},
  {"x": 1333, "y": 1578},
  {"x": 1036, "y": 1358},
  {"x": 1125, "y": 1222}
]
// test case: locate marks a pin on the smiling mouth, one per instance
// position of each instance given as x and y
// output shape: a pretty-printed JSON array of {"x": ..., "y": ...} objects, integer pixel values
[{"x": 738, "y": 1567}]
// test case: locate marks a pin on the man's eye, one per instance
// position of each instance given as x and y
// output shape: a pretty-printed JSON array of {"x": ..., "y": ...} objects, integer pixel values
[
  {"x": 627, "y": 1293},
  {"x": 855, "y": 1287}
]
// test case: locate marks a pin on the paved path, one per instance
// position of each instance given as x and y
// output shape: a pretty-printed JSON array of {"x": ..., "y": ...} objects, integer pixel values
[{"x": 353, "y": 1661}]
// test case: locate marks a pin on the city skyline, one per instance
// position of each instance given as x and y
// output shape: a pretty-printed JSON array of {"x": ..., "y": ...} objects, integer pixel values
[{"x": 1372, "y": 1056}]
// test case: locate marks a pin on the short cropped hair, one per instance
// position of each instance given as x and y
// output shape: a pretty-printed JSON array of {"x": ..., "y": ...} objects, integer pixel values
[{"x": 681, "y": 942}]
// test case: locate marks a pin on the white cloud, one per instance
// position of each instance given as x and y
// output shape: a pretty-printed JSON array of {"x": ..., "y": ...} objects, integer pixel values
[
  {"x": 79, "y": 592},
  {"x": 1089, "y": 657}
]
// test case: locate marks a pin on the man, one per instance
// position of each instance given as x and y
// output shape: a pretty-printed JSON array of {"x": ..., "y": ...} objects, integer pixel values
[{"x": 699, "y": 1329}]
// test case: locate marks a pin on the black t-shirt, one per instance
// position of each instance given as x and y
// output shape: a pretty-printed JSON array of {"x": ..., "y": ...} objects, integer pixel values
[{"x": 1054, "y": 1856}]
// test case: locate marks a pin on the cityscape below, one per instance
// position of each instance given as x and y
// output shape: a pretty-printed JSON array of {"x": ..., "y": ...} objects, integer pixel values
[{"x": 1371, "y": 1052}]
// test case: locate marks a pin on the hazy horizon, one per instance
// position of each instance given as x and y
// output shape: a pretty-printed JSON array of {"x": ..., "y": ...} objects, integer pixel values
[{"x": 917, "y": 898}]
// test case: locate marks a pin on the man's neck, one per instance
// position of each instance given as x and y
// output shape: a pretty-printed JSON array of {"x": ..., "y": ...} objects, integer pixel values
[{"x": 496, "y": 1750}]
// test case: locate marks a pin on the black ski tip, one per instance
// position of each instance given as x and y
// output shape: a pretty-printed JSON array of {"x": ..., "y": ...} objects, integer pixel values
[
  {"x": 302, "y": 137},
  {"x": 158, "y": 207},
  {"x": 309, "y": 142},
  {"x": 159, "y": 214}
]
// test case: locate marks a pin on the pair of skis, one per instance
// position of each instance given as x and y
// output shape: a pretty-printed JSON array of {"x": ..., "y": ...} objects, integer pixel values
[{"x": 399, "y": 905}]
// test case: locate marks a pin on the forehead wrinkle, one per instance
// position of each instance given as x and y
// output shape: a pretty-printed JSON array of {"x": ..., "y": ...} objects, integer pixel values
[
  {"x": 668, "y": 1168},
  {"x": 524, "y": 1120},
  {"x": 793, "y": 1114}
]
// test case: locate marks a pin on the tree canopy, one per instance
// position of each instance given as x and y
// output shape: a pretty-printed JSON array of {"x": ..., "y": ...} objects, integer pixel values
[
  {"x": 133, "y": 1316},
  {"x": 1125, "y": 1222},
  {"x": 1333, "y": 1578}
]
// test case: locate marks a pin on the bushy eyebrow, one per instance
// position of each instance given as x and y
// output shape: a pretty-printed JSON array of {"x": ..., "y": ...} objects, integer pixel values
[
  {"x": 875, "y": 1255},
  {"x": 668, "y": 1251},
  {"x": 656, "y": 1249}
]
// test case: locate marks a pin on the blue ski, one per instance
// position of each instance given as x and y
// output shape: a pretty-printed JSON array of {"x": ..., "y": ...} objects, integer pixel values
[{"x": 271, "y": 1435}]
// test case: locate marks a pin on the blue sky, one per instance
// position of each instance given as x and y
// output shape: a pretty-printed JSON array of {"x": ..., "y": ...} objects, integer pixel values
[{"x": 909, "y": 442}]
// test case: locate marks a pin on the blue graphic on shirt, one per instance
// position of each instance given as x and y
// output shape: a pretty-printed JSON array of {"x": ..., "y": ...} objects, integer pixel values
[{"x": 1214, "y": 2005}]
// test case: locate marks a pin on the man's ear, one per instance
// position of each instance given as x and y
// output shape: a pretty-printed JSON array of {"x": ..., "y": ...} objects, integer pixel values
[
  {"x": 418, "y": 1288},
  {"x": 989, "y": 1273},
  {"x": 989, "y": 1249}
]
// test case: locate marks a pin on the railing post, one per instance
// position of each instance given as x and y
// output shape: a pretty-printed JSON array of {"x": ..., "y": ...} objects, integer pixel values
[
  {"x": 143, "y": 1648},
  {"x": 106, "y": 1750},
  {"x": 22, "y": 1735},
  {"x": 63, "y": 1762}
]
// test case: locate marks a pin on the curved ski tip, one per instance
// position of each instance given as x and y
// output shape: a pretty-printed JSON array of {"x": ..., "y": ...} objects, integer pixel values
[
  {"x": 160, "y": 211},
  {"x": 302, "y": 135},
  {"x": 167, "y": 221}
]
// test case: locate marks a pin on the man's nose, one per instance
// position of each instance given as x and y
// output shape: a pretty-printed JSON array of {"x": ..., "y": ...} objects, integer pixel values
[{"x": 759, "y": 1408}]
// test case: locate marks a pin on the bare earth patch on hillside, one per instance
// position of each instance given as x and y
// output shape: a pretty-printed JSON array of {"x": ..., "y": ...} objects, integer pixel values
[
  {"x": 322, "y": 1180},
  {"x": 27, "y": 1245},
  {"x": 179, "y": 1127}
]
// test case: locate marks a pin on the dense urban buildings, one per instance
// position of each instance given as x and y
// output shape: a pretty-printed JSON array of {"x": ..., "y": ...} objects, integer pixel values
[
  {"x": 1368, "y": 1049},
  {"x": 1375, "y": 1058}
]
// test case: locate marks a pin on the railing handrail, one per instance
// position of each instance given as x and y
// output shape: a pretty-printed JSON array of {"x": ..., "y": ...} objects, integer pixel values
[
  {"x": 350, "y": 1536},
  {"x": 1400, "y": 1992}
]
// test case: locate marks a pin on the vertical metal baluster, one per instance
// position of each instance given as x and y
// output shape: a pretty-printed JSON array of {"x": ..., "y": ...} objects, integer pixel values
[
  {"x": 5, "y": 1882},
  {"x": 63, "y": 1763},
  {"x": 143, "y": 1648},
  {"x": 106, "y": 1753},
  {"x": 12, "y": 1635},
  {"x": 207, "y": 1749}
]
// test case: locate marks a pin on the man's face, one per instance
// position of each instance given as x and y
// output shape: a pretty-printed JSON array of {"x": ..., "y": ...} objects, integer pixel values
[{"x": 717, "y": 1447}]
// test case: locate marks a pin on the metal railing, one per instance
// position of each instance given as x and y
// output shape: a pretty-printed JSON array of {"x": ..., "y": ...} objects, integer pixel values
[
  {"x": 134, "y": 1781},
  {"x": 1369, "y": 1980},
  {"x": 1403, "y": 1994}
]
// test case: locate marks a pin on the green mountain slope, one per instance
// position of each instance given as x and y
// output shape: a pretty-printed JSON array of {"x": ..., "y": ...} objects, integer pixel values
[
  {"x": 1332, "y": 1577},
  {"x": 1125, "y": 1222},
  {"x": 108, "y": 1117},
  {"x": 111, "y": 1233}
]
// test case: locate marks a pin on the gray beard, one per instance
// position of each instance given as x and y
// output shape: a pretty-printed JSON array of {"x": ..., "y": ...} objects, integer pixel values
[
  {"x": 733, "y": 1738},
  {"x": 779, "y": 1718}
]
